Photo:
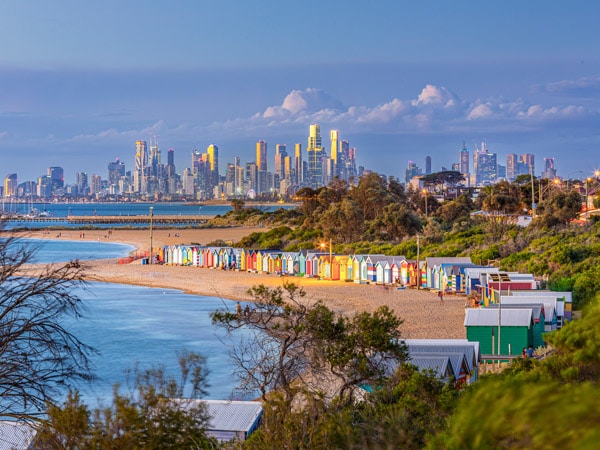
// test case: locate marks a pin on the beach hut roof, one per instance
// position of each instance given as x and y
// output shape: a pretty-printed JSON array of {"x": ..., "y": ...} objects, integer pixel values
[
  {"x": 538, "y": 310},
  {"x": 228, "y": 417},
  {"x": 476, "y": 272},
  {"x": 509, "y": 317},
  {"x": 17, "y": 434},
  {"x": 567, "y": 296},
  {"x": 436, "y": 261},
  {"x": 557, "y": 305},
  {"x": 469, "y": 349},
  {"x": 438, "y": 364},
  {"x": 457, "y": 360}
]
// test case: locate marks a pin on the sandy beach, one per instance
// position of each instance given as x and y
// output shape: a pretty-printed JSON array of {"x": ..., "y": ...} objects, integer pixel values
[{"x": 423, "y": 315}]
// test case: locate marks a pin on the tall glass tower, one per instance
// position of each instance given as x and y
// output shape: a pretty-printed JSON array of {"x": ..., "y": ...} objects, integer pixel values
[{"x": 315, "y": 158}]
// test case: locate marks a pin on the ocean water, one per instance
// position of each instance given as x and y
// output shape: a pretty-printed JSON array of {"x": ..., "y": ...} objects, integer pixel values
[{"x": 131, "y": 325}]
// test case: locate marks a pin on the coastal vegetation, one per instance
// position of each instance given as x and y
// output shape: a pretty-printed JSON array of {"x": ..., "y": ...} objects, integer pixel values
[{"x": 378, "y": 216}]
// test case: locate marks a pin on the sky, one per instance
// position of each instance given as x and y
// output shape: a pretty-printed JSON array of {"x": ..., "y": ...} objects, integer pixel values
[{"x": 80, "y": 82}]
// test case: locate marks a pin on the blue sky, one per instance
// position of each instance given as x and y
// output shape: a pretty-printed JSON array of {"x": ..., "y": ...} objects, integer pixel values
[{"x": 81, "y": 81}]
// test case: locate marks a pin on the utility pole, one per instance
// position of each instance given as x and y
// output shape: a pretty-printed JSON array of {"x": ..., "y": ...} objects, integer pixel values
[{"x": 151, "y": 231}]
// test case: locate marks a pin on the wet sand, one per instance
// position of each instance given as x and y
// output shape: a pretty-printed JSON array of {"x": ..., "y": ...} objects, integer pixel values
[{"x": 423, "y": 315}]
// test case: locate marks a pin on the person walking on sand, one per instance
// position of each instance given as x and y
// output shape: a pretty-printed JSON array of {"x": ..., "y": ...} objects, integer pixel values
[{"x": 441, "y": 297}]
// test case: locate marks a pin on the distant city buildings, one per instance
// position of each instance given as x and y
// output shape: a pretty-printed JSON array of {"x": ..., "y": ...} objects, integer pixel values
[{"x": 320, "y": 163}]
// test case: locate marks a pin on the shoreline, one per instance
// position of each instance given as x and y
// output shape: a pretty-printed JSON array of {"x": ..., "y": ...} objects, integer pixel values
[{"x": 423, "y": 315}]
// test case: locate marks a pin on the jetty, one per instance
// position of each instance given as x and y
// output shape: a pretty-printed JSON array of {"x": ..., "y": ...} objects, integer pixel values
[{"x": 179, "y": 219}]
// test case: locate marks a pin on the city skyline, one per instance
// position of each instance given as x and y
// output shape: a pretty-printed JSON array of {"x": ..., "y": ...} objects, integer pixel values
[{"x": 78, "y": 87}]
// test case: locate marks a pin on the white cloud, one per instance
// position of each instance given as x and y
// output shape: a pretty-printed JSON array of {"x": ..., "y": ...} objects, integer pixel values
[
  {"x": 480, "y": 111},
  {"x": 435, "y": 95}
]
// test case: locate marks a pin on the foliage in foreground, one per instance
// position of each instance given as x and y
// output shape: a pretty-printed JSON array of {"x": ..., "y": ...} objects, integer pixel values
[
  {"x": 159, "y": 413},
  {"x": 38, "y": 356},
  {"x": 550, "y": 403}
]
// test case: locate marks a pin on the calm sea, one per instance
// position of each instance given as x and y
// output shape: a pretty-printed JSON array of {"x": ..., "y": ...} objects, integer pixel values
[
  {"x": 63, "y": 210},
  {"x": 132, "y": 324}
]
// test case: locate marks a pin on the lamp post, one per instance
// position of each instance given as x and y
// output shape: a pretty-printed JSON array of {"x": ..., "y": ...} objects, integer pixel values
[
  {"x": 425, "y": 194},
  {"x": 151, "y": 230}
]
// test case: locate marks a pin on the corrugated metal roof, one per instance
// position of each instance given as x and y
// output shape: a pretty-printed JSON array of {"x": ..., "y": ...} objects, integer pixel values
[
  {"x": 537, "y": 309},
  {"x": 485, "y": 317},
  {"x": 475, "y": 272},
  {"x": 438, "y": 364},
  {"x": 457, "y": 360},
  {"x": 466, "y": 348},
  {"x": 226, "y": 415},
  {"x": 16, "y": 435},
  {"x": 558, "y": 305},
  {"x": 446, "y": 342},
  {"x": 436, "y": 261},
  {"x": 232, "y": 415}
]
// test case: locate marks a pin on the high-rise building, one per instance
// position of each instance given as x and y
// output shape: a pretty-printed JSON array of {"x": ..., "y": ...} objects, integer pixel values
[
  {"x": 549, "y": 169},
  {"x": 411, "y": 171},
  {"x": 333, "y": 154},
  {"x": 82, "y": 183},
  {"x": 10, "y": 185},
  {"x": 529, "y": 160},
  {"x": 57, "y": 178},
  {"x": 512, "y": 166},
  {"x": 485, "y": 164},
  {"x": 464, "y": 163},
  {"x": 280, "y": 155},
  {"x": 315, "y": 158},
  {"x": 427, "y": 165},
  {"x": 116, "y": 170},
  {"x": 213, "y": 161},
  {"x": 261, "y": 155},
  {"x": 298, "y": 166},
  {"x": 141, "y": 162}
]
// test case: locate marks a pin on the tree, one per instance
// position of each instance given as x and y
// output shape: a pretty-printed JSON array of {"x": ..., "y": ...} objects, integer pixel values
[
  {"x": 559, "y": 209},
  {"x": 343, "y": 222},
  {"x": 395, "y": 222},
  {"x": 38, "y": 356},
  {"x": 237, "y": 204},
  {"x": 292, "y": 346},
  {"x": 159, "y": 412}
]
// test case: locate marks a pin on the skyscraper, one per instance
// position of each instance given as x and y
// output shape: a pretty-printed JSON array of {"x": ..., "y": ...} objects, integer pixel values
[
  {"x": 141, "y": 161},
  {"x": 549, "y": 170},
  {"x": 464, "y": 163},
  {"x": 261, "y": 155},
  {"x": 280, "y": 154},
  {"x": 427, "y": 165},
  {"x": 10, "y": 185},
  {"x": 298, "y": 166},
  {"x": 335, "y": 142},
  {"x": 261, "y": 167},
  {"x": 486, "y": 171},
  {"x": 315, "y": 158},
  {"x": 116, "y": 170},
  {"x": 57, "y": 178},
  {"x": 213, "y": 162}
]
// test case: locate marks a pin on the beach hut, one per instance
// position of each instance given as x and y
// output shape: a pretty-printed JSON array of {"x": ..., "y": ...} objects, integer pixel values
[
  {"x": 469, "y": 349},
  {"x": 251, "y": 261},
  {"x": 229, "y": 420},
  {"x": 564, "y": 302},
  {"x": 516, "y": 329},
  {"x": 356, "y": 263},
  {"x": 237, "y": 258},
  {"x": 340, "y": 267},
  {"x": 539, "y": 321},
  {"x": 553, "y": 308},
  {"x": 275, "y": 262},
  {"x": 301, "y": 264},
  {"x": 243, "y": 259}
]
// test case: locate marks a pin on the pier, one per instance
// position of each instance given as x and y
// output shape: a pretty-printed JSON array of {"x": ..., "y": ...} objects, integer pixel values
[{"x": 121, "y": 220}]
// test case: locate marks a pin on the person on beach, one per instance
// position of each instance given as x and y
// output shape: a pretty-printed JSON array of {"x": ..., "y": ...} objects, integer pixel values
[{"x": 441, "y": 297}]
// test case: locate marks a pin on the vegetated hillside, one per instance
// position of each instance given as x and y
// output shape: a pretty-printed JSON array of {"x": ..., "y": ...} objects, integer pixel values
[{"x": 379, "y": 216}]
